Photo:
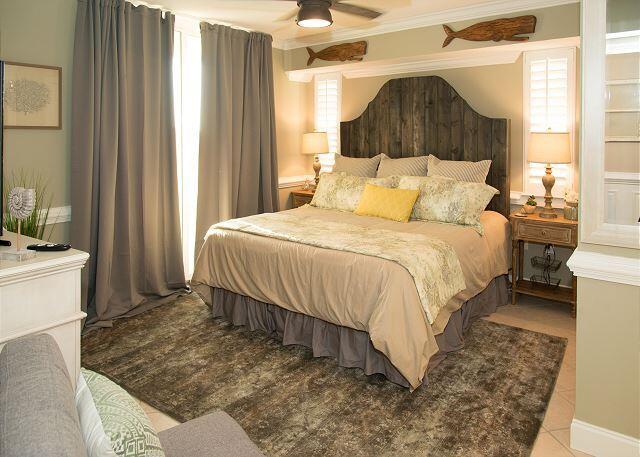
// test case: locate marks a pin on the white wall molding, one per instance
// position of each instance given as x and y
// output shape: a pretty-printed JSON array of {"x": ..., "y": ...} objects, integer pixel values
[
  {"x": 622, "y": 198},
  {"x": 617, "y": 177},
  {"x": 285, "y": 182},
  {"x": 494, "y": 8},
  {"x": 605, "y": 267},
  {"x": 520, "y": 198},
  {"x": 476, "y": 57},
  {"x": 58, "y": 215},
  {"x": 600, "y": 441}
]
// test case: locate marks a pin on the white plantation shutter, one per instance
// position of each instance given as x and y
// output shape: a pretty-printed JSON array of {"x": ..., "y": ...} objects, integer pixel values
[
  {"x": 549, "y": 104},
  {"x": 328, "y": 99}
]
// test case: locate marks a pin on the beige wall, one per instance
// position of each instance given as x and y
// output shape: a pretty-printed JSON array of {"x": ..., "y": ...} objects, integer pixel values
[
  {"x": 556, "y": 22},
  {"x": 292, "y": 120},
  {"x": 41, "y": 32},
  {"x": 608, "y": 356}
]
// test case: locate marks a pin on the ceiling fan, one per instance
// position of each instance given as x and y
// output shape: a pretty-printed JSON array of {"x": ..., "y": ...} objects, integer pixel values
[{"x": 316, "y": 13}]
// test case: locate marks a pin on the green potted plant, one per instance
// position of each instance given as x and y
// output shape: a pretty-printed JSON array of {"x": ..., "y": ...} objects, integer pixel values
[
  {"x": 33, "y": 226},
  {"x": 531, "y": 204}
]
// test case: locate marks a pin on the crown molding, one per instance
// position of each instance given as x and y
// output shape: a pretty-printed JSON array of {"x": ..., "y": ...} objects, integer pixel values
[
  {"x": 475, "y": 57},
  {"x": 493, "y": 8}
]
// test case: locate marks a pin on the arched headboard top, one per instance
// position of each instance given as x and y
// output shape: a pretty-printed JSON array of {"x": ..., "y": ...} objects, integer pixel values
[{"x": 425, "y": 115}]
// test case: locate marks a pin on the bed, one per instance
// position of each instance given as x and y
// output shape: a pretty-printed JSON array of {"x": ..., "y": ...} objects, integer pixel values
[{"x": 362, "y": 310}]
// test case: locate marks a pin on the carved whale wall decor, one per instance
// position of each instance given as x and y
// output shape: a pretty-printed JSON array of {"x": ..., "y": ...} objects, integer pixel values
[
  {"x": 496, "y": 30},
  {"x": 341, "y": 52}
]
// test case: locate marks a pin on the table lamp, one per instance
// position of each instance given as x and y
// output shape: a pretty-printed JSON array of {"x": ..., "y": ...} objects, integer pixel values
[
  {"x": 315, "y": 143},
  {"x": 549, "y": 148}
]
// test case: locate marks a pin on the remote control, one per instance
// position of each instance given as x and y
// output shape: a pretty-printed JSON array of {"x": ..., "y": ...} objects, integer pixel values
[{"x": 49, "y": 247}]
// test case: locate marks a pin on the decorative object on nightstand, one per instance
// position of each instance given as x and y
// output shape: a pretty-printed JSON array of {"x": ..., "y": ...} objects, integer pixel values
[
  {"x": 571, "y": 205},
  {"x": 315, "y": 143},
  {"x": 549, "y": 148},
  {"x": 301, "y": 197},
  {"x": 530, "y": 206},
  {"x": 20, "y": 203},
  {"x": 550, "y": 232}
]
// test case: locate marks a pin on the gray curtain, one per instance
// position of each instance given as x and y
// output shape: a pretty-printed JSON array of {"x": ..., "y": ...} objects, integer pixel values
[
  {"x": 238, "y": 170},
  {"x": 124, "y": 183}
]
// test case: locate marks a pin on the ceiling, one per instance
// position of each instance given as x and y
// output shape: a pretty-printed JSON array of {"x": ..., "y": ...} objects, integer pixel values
[{"x": 270, "y": 16}]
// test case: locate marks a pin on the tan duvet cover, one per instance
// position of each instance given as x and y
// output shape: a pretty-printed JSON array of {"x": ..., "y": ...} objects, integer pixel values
[{"x": 354, "y": 290}]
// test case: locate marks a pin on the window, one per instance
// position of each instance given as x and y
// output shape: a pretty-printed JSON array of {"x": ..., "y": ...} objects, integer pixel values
[
  {"x": 327, "y": 101},
  {"x": 549, "y": 104},
  {"x": 186, "y": 91}
]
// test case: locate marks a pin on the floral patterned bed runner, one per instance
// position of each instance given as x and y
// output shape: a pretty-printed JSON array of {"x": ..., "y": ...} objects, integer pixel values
[{"x": 432, "y": 263}]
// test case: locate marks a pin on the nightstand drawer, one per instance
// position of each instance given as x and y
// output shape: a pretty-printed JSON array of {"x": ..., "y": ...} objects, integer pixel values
[
  {"x": 299, "y": 200},
  {"x": 545, "y": 233}
]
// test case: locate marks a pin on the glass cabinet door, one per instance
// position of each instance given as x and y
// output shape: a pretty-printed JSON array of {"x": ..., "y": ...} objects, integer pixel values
[{"x": 622, "y": 112}]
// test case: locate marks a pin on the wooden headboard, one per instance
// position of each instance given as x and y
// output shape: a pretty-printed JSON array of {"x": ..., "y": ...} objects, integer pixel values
[{"x": 425, "y": 115}]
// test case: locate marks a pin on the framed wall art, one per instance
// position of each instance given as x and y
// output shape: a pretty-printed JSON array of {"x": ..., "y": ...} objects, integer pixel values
[{"x": 32, "y": 96}]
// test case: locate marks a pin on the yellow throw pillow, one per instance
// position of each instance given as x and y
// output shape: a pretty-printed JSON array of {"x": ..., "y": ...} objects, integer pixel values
[{"x": 394, "y": 204}]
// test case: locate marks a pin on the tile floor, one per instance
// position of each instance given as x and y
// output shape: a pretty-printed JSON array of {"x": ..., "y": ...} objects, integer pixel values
[{"x": 531, "y": 314}]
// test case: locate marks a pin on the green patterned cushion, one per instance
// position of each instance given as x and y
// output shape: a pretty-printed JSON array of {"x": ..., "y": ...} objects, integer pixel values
[
  {"x": 342, "y": 191},
  {"x": 448, "y": 200},
  {"x": 123, "y": 420}
]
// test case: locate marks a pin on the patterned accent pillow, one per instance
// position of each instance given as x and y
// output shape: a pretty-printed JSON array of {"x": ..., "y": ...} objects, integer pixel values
[
  {"x": 356, "y": 166},
  {"x": 123, "y": 420},
  {"x": 342, "y": 191},
  {"x": 459, "y": 169},
  {"x": 448, "y": 200},
  {"x": 405, "y": 166}
]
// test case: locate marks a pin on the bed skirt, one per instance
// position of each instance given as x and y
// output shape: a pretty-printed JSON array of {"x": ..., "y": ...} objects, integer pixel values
[{"x": 351, "y": 348}]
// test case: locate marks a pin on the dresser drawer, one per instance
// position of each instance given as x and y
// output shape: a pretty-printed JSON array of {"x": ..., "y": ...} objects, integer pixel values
[{"x": 545, "y": 233}]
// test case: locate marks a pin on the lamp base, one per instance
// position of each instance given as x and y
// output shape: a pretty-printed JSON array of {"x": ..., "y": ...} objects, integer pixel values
[
  {"x": 317, "y": 166},
  {"x": 548, "y": 180}
]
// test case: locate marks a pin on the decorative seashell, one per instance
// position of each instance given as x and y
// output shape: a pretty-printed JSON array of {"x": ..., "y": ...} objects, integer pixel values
[{"x": 21, "y": 202}]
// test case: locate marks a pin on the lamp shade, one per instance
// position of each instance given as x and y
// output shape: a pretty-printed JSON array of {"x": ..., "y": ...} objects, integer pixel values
[
  {"x": 549, "y": 147},
  {"x": 315, "y": 143}
]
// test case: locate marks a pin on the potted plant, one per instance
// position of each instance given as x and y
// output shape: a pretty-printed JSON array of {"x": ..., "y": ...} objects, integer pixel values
[
  {"x": 530, "y": 206},
  {"x": 34, "y": 225}
]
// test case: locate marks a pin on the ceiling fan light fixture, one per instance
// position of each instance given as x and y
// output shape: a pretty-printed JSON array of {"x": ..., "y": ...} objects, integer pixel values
[{"x": 314, "y": 14}]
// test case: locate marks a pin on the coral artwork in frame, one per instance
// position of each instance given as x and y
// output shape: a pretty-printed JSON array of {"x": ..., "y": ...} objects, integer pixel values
[{"x": 32, "y": 96}]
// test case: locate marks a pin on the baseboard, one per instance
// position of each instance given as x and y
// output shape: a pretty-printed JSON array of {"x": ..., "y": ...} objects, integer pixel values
[{"x": 601, "y": 442}]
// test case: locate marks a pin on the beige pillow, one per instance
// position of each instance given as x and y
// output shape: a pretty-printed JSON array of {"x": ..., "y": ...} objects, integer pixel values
[
  {"x": 405, "y": 166},
  {"x": 449, "y": 200},
  {"x": 356, "y": 166},
  {"x": 342, "y": 191},
  {"x": 459, "y": 169}
]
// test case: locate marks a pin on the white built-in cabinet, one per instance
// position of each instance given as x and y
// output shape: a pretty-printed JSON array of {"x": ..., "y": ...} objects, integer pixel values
[{"x": 42, "y": 295}]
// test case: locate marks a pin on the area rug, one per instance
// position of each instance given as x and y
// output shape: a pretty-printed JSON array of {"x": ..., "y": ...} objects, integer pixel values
[{"x": 487, "y": 399}]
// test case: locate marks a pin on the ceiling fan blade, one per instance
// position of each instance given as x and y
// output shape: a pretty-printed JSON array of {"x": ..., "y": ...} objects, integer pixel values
[
  {"x": 355, "y": 10},
  {"x": 288, "y": 16}
]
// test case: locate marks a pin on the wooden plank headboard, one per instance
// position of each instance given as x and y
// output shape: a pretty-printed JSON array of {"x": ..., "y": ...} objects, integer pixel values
[{"x": 425, "y": 115}]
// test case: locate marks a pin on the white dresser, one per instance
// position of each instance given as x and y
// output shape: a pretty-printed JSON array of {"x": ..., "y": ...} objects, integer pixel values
[{"x": 43, "y": 295}]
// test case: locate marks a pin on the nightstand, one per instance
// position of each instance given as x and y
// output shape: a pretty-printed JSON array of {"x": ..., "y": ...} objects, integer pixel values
[
  {"x": 301, "y": 197},
  {"x": 535, "y": 229}
]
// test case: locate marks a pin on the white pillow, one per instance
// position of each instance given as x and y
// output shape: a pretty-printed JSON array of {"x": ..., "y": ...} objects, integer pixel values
[{"x": 96, "y": 441}]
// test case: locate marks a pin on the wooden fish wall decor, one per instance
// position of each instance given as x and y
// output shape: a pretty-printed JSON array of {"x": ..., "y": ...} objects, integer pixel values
[
  {"x": 341, "y": 52},
  {"x": 496, "y": 30}
]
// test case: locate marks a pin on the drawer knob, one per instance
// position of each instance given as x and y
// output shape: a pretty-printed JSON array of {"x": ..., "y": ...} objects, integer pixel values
[{"x": 544, "y": 232}]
